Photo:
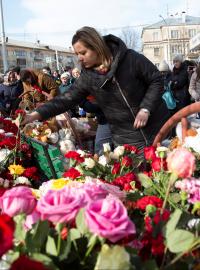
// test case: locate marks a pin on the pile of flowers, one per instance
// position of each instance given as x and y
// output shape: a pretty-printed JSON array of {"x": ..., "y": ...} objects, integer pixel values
[
  {"x": 122, "y": 210},
  {"x": 15, "y": 156}
]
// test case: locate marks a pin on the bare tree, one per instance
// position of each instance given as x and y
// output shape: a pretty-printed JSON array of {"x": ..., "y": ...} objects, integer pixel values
[{"x": 131, "y": 38}]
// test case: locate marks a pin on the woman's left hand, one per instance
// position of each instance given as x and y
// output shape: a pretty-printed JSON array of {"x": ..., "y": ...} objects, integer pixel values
[{"x": 141, "y": 119}]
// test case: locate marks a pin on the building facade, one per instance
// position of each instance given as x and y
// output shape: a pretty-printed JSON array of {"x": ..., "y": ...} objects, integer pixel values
[
  {"x": 36, "y": 55},
  {"x": 168, "y": 37}
]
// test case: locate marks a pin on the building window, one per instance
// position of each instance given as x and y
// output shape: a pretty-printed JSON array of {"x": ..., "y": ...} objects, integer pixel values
[
  {"x": 174, "y": 34},
  {"x": 156, "y": 51},
  {"x": 192, "y": 32},
  {"x": 175, "y": 49},
  {"x": 155, "y": 36},
  {"x": 21, "y": 62},
  {"x": 20, "y": 53}
]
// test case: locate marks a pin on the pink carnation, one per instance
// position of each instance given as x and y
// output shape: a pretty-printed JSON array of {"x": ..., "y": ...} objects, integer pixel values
[
  {"x": 61, "y": 205},
  {"x": 182, "y": 162},
  {"x": 108, "y": 218},
  {"x": 191, "y": 187},
  {"x": 17, "y": 201}
]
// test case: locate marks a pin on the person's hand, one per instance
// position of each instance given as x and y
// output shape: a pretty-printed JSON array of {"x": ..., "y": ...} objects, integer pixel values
[
  {"x": 29, "y": 118},
  {"x": 141, "y": 119}
]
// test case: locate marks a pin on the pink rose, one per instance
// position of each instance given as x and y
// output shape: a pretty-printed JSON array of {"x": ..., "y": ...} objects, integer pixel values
[
  {"x": 32, "y": 219},
  {"x": 18, "y": 200},
  {"x": 61, "y": 205},
  {"x": 94, "y": 191},
  {"x": 108, "y": 218},
  {"x": 182, "y": 162}
]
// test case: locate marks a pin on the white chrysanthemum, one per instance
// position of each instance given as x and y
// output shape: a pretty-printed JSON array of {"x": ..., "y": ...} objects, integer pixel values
[
  {"x": 53, "y": 137},
  {"x": 89, "y": 163},
  {"x": 22, "y": 180},
  {"x": 3, "y": 154},
  {"x": 106, "y": 147}
]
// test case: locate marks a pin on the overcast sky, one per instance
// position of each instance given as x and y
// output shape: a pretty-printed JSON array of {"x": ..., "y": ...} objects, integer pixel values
[{"x": 55, "y": 21}]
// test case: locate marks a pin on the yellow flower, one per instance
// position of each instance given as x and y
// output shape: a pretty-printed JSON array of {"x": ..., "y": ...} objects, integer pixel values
[
  {"x": 59, "y": 183},
  {"x": 112, "y": 258},
  {"x": 16, "y": 169},
  {"x": 36, "y": 193}
]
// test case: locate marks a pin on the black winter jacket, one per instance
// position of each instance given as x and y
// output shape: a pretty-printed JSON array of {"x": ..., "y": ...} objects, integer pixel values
[
  {"x": 180, "y": 84},
  {"x": 133, "y": 82}
]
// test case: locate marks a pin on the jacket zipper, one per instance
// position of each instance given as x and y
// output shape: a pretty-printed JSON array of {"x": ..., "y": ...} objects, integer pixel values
[{"x": 129, "y": 107}]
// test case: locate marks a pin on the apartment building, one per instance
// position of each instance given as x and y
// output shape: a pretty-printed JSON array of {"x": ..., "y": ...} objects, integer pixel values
[
  {"x": 36, "y": 55},
  {"x": 168, "y": 37}
]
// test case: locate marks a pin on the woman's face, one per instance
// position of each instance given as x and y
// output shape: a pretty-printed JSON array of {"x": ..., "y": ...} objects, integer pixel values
[
  {"x": 86, "y": 56},
  {"x": 177, "y": 64}
]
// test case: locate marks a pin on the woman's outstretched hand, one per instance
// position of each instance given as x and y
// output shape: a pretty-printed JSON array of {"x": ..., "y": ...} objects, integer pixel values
[
  {"x": 141, "y": 119},
  {"x": 29, "y": 118}
]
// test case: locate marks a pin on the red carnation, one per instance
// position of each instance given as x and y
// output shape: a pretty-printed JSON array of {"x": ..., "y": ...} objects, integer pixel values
[
  {"x": 158, "y": 164},
  {"x": 20, "y": 112},
  {"x": 149, "y": 153},
  {"x": 7, "y": 227},
  {"x": 124, "y": 181},
  {"x": 131, "y": 148},
  {"x": 74, "y": 155},
  {"x": 30, "y": 172},
  {"x": 127, "y": 161},
  {"x": 157, "y": 218},
  {"x": 72, "y": 173},
  {"x": 24, "y": 262},
  {"x": 149, "y": 200},
  {"x": 116, "y": 168}
]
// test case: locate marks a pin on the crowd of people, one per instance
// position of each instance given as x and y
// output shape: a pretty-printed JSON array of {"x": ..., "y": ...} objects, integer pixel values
[{"x": 121, "y": 87}]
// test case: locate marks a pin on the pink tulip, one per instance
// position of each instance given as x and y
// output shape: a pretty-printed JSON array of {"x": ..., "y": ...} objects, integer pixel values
[
  {"x": 18, "y": 200},
  {"x": 61, "y": 205},
  {"x": 108, "y": 218},
  {"x": 182, "y": 162}
]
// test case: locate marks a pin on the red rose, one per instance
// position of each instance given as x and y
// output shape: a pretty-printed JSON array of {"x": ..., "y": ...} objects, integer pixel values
[
  {"x": 7, "y": 227},
  {"x": 124, "y": 181},
  {"x": 20, "y": 112},
  {"x": 72, "y": 173},
  {"x": 74, "y": 155},
  {"x": 24, "y": 262},
  {"x": 149, "y": 153},
  {"x": 116, "y": 168},
  {"x": 127, "y": 161},
  {"x": 25, "y": 147},
  {"x": 147, "y": 200},
  {"x": 131, "y": 148},
  {"x": 157, "y": 164},
  {"x": 10, "y": 143}
]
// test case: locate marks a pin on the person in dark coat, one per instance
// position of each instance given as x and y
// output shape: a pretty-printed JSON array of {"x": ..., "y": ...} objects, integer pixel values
[
  {"x": 10, "y": 90},
  {"x": 126, "y": 85},
  {"x": 180, "y": 83}
]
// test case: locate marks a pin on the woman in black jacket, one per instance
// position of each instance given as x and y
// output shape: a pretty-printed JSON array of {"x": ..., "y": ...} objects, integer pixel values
[
  {"x": 180, "y": 83},
  {"x": 126, "y": 85}
]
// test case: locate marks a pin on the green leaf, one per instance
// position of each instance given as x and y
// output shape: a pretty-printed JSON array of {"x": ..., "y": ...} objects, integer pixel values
[
  {"x": 150, "y": 265},
  {"x": 80, "y": 222},
  {"x": 20, "y": 233},
  {"x": 74, "y": 234},
  {"x": 180, "y": 241},
  {"x": 171, "y": 224},
  {"x": 45, "y": 260},
  {"x": 36, "y": 237},
  {"x": 51, "y": 246},
  {"x": 65, "y": 249},
  {"x": 145, "y": 181}
]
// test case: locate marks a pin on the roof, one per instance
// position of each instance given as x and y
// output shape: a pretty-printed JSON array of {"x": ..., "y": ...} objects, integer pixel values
[
  {"x": 189, "y": 20},
  {"x": 36, "y": 45}
]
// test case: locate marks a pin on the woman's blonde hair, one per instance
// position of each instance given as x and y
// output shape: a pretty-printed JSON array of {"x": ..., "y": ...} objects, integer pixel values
[{"x": 94, "y": 41}]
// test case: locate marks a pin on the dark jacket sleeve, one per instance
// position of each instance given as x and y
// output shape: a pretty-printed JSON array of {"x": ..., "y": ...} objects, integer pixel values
[
  {"x": 65, "y": 102},
  {"x": 152, "y": 78}
]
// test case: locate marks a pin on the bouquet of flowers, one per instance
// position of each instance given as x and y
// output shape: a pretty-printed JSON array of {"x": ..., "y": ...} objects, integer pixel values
[{"x": 117, "y": 211}]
